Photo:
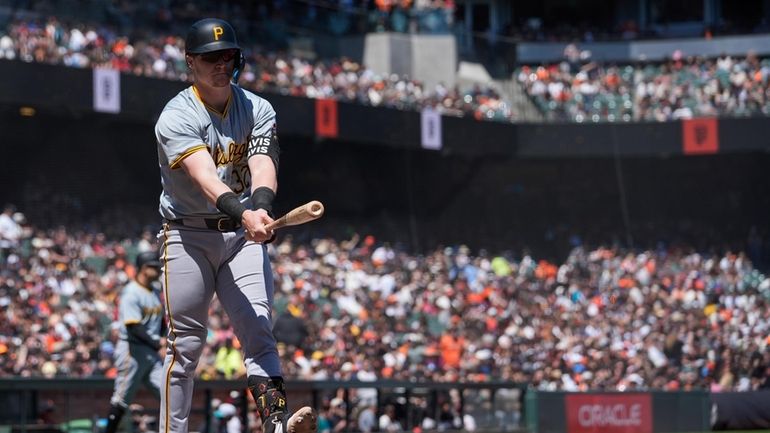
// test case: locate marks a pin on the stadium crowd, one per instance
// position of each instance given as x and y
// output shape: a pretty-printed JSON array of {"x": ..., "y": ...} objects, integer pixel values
[
  {"x": 315, "y": 16},
  {"x": 575, "y": 89},
  {"x": 679, "y": 88},
  {"x": 340, "y": 17},
  {"x": 161, "y": 55},
  {"x": 358, "y": 308}
]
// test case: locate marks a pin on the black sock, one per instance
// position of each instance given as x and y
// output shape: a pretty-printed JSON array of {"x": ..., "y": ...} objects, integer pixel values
[
  {"x": 113, "y": 419},
  {"x": 270, "y": 397}
]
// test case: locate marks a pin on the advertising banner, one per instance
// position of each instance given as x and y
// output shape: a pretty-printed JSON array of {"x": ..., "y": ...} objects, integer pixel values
[{"x": 609, "y": 413}]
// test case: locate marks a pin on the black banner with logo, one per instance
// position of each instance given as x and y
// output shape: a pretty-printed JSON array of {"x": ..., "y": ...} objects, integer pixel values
[{"x": 740, "y": 410}]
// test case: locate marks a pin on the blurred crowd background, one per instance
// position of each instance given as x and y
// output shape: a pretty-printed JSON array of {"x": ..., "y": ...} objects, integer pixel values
[
  {"x": 604, "y": 318},
  {"x": 679, "y": 88},
  {"x": 351, "y": 305},
  {"x": 359, "y": 308},
  {"x": 145, "y": 40}
]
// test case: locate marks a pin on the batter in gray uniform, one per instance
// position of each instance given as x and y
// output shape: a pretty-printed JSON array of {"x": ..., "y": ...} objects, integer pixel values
[
  {"x": 218, "y": 154},
  {"x": 141, "y": 325}
]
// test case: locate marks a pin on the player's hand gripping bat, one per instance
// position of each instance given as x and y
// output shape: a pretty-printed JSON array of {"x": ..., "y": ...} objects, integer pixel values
[{"x": 299, "y": 215}]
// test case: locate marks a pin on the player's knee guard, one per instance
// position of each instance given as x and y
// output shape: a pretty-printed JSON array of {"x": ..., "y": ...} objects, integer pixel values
[{"x": 270, "y": 396}]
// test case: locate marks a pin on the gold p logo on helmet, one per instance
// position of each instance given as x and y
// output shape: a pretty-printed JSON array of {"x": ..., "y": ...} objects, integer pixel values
[{"x": 218, "y": 31}]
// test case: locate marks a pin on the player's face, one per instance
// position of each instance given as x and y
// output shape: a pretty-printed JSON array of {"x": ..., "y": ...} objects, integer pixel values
[
  {"x": 151, "y": 272},
  {"x": 215, "y": 68}
]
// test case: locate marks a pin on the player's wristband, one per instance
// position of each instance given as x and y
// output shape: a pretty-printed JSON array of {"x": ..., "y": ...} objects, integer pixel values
[
  {"x": 229, "y": 204},
  {"x": 262, "y": 198}
]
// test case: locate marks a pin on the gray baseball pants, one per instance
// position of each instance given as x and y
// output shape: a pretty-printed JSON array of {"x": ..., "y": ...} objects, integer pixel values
[
  {"x": 197, "y": 263},
  {"x": 137, "y": 364}
]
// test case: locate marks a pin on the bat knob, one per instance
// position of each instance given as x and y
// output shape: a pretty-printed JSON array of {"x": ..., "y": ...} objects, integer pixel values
[{"x": 315, "y": 208}]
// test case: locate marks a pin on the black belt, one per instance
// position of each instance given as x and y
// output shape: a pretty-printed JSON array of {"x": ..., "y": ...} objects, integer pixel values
[{"x": 224, "y": 224}]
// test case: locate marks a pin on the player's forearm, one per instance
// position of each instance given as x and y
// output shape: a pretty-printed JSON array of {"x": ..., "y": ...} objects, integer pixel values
[
  {"x": 212, "y": 188},
  {"x": 200, "y": 167},
  {"x": 262, "y": 173}
]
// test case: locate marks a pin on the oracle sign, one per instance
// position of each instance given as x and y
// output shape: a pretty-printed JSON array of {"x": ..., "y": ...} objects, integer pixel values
[{"x": 609, "y": 413}]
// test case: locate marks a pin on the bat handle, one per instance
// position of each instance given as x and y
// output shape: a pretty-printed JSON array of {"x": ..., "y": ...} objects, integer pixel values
[{"x": 273, "y": 225}]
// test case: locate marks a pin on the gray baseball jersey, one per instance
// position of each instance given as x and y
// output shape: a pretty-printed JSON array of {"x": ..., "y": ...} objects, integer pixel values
[
  {"x": 186, "y": 126},
  {"x": 139, "y": 305},
  {"x": 137, "y": 363},
  {"x": 201, "y": 262}
]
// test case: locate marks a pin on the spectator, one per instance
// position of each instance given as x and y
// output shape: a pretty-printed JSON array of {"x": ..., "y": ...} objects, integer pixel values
[
  {"x": 226, "y": 416},
  {"x": 10, "y": 228},
  {"x": 447, "y": 419},
  {"x": 229, "y": 360},
  {"x": 289, "y": 328},
  {"x": 388, "y": 421},
  {"x": 367, "y": 418},
  {"x": 336, "y": 415}
]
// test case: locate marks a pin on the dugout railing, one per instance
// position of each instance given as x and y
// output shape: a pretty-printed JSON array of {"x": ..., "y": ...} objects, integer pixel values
[{"x": 51, "y": 405}]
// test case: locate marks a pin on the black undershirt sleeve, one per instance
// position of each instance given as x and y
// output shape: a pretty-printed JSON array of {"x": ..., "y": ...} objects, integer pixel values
[{"x": 137, "y": 331}]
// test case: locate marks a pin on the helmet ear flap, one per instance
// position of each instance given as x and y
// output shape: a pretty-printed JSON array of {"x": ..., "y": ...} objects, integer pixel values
[{"x": 240, "y": 63}]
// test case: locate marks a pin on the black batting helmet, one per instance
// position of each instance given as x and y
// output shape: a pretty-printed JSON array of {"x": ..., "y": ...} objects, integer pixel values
[
  {"x": 148, "y": 258},
  {"x": 210, "y": 34}
]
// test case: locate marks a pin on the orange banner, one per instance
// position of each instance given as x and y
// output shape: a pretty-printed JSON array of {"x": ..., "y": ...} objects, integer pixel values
[
  {"x": 700, "y": 136},
  {"x": 326, "y": 118}
]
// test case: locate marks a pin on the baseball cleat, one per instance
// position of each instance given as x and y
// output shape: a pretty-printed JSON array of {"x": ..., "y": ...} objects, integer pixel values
[{"x": 304, "y": 420}]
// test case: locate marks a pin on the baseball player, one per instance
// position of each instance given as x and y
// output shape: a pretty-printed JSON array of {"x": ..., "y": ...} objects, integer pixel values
[
  {"x": 141, "y": 323},
  {"x": 218, "y": 155}
]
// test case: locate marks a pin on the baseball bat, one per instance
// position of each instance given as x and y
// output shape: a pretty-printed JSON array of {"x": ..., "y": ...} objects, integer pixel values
[{"x": 299, "y": 215}]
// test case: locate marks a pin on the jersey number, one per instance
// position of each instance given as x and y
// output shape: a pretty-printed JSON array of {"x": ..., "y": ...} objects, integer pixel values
[{"x": 241, "y": 177}]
